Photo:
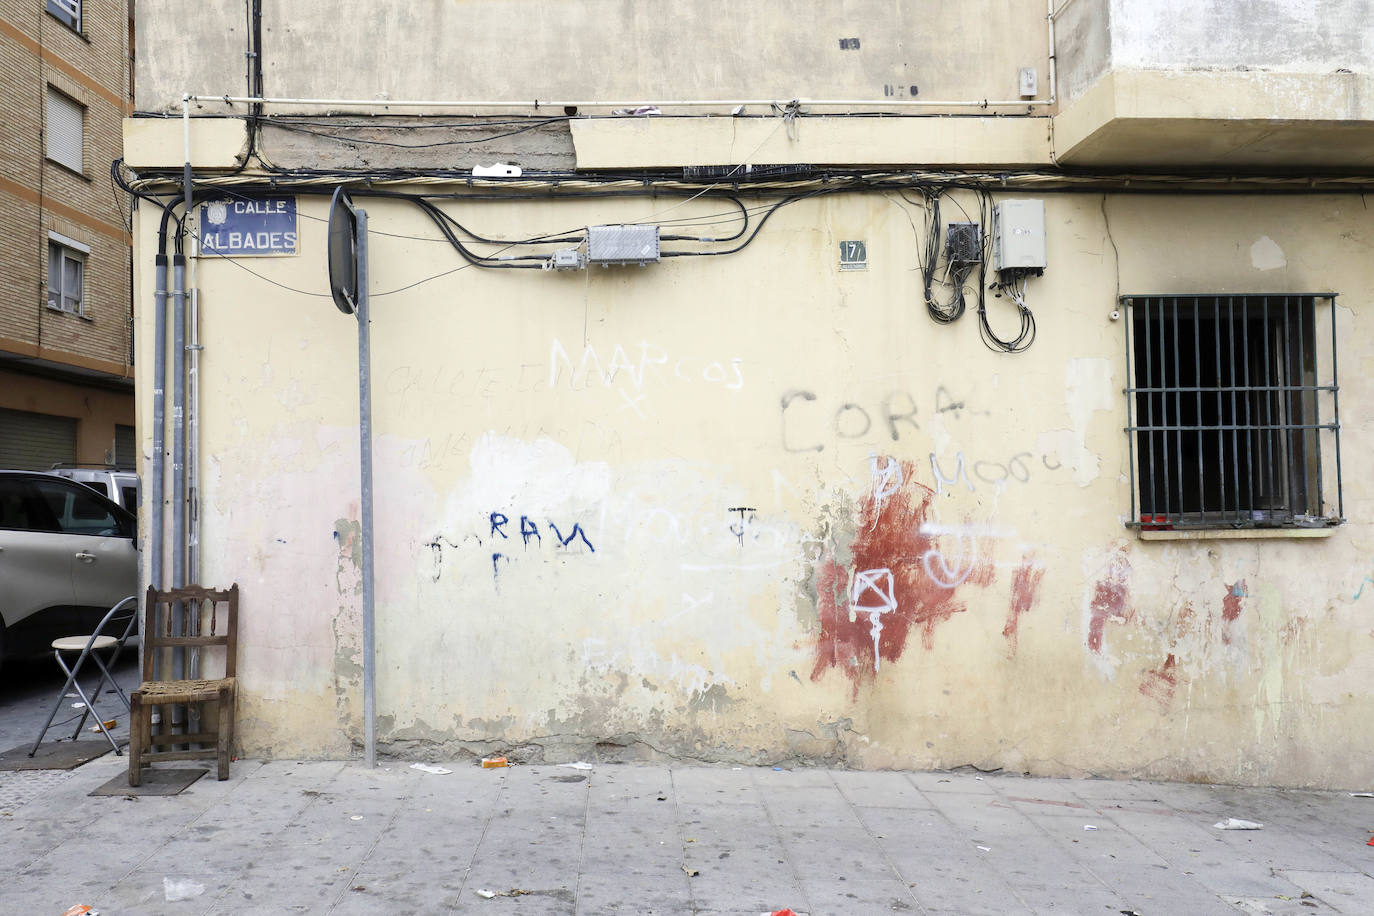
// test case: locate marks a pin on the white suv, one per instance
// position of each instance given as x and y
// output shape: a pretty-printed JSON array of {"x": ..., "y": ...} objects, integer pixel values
[
  {"x": 117, "y": 485},
  {"x": 67, "y": 555}
]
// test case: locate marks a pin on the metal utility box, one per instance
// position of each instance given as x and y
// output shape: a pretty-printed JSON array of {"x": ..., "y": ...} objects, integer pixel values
[
  {"x": 608, "y": 245},
  {"x": 1018, "y": 236},
  {"x": 963, "y": 243}
]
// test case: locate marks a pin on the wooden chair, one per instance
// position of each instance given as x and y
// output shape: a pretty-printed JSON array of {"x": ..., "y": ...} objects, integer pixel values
[{"x": 208, "y": 619}]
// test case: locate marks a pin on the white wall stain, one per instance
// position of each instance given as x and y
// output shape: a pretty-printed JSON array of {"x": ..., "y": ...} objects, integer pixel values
[
  {"x": 1265, "y": 254},
  {"x": 1087, "y": 390}
]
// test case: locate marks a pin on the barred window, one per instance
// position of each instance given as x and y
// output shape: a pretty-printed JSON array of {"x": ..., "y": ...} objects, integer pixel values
[
  {"x": 68, "y": 11},
  {"x": 1233, "y": 422}
]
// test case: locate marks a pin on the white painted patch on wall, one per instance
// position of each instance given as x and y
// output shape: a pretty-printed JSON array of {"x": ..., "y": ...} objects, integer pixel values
[
  {"x": 1266, "y": 254},
  {"x": 1087, "y": 389},
  {"x": 543, "y": 473}
]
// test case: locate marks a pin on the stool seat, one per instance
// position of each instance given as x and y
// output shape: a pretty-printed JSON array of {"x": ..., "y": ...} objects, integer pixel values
[{"x": 77, "y": 643}]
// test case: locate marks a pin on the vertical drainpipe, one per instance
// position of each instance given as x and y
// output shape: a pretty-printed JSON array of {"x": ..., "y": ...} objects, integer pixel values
[
  {"x": 192, "y": 475},
  {"x": 178, "y": 454},
  {"x": 159, "y": 459}
]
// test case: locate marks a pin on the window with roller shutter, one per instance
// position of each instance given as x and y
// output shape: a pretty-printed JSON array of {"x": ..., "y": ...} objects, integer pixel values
[{"x": 65, "y": 130}]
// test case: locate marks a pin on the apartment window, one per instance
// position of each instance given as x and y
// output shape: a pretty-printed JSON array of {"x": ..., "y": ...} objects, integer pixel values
[
  {"x": 1233, "y": 419},
  {"x": 66, "y": 130},
  {"x": 66, "y": 273},
  {"x": 67, "y": 11}
]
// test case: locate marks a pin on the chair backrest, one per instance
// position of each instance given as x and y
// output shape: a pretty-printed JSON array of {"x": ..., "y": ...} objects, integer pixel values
[
  {"x": 190, "y": 617},
  {"x": 120, "y": 622}
]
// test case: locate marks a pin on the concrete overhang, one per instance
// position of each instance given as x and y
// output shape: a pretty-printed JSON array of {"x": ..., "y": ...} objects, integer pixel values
[
  {"x": 926, "y": 142},
  {"x": 160, "y": 143},
  {"x": 1220, "y": 120}
]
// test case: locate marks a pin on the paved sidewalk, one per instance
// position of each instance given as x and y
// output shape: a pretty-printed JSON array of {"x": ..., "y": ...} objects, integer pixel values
[{"x": 332, "y": 837}]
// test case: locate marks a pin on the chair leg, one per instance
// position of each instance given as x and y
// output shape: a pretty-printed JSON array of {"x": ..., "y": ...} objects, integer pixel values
[
  {"x": 99, "y": 723},
  {"x": 61, "y": 695},
  {"x": 107, "y": 678},
  {"x": 225, "y": 733},
  {"x": 139, "y": 727}
]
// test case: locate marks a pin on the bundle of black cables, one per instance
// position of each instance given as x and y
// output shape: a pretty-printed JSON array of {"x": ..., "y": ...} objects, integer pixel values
[{"x": 959, "y": 270}]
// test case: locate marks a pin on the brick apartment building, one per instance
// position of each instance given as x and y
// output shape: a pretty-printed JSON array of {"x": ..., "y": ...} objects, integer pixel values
[{"x": 66, "y": 374}]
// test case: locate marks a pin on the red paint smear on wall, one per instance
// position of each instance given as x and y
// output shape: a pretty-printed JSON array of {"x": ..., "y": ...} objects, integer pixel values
[
  {"x": 1231, "y": 608},
  {"x": 1159, "y": 683},
  {"x": 889, "y": 537},
  {"x": 1025, "y": 588},
  {"x": 1110, "y": 600}
]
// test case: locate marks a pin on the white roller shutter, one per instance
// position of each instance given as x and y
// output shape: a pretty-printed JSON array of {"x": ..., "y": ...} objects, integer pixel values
[{"x": 65, "y": 130}]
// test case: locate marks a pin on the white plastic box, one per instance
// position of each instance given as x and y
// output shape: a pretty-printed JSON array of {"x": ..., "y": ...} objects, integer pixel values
[{"x": 1018, "y": 235}]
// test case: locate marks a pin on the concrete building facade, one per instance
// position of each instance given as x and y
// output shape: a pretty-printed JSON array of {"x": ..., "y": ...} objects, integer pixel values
[
  {"x": 66, "y": 344},
  {"x": 983, "y": 385}
]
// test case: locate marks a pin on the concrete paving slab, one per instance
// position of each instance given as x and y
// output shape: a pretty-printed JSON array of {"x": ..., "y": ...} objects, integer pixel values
[
  {"x": 1344, "y": 891},
  {"x": 280, "y": 837},
  {"x": 941, "y": 781},
  {"x": 879, "y": 790}
]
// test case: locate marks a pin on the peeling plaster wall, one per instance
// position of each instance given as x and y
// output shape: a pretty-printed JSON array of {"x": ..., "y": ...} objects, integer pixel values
[{"x": 627, "y": 512}]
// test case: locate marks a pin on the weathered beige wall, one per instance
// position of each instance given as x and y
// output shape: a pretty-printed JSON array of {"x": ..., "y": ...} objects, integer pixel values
[
  {"x": 634, "y": 412},
  {"x": 597, "y": 50}
]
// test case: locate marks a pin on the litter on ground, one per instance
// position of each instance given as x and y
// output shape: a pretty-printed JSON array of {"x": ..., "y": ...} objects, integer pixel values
[{"x": 1235, "y": 823}]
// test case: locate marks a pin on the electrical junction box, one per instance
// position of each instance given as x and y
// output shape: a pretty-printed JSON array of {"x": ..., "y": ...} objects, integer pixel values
[
  {"x": 567, "y": 259},
  {"x": 963, "y": 243},
  {"x": 1018, "y": 236},
  {"x": 607, "y": 245}
]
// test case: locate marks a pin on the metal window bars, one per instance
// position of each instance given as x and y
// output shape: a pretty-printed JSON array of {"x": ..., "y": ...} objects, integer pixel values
[
  {"x": 69, "y": 11},
  {"x": 1231, "y": 422}
]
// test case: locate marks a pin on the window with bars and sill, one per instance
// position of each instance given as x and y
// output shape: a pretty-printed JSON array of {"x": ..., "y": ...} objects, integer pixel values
[
  {"x": 1233, "y": 419},
  {"x": 66, "y": 11}
]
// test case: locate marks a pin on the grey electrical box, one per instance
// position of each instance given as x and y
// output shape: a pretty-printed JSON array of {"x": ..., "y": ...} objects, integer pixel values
[
  {"x": 567, "y": 259},
  {"x": 1018, "y": 236},
  {"x": 607, "y": 245}
]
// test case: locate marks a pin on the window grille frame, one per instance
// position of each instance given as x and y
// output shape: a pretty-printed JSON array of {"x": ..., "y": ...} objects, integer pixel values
[
  {"x": 1269, "y": 410},
  {"x": 67, "y": 12}
]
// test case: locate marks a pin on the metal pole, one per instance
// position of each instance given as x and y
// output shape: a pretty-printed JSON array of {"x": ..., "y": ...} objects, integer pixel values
[{"x": 365, "y": 448}]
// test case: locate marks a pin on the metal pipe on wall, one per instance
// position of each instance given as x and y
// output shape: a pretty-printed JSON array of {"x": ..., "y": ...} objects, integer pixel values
[
  {"x": 158, "y": 458},
  {"x": 178, "y": 447}
]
